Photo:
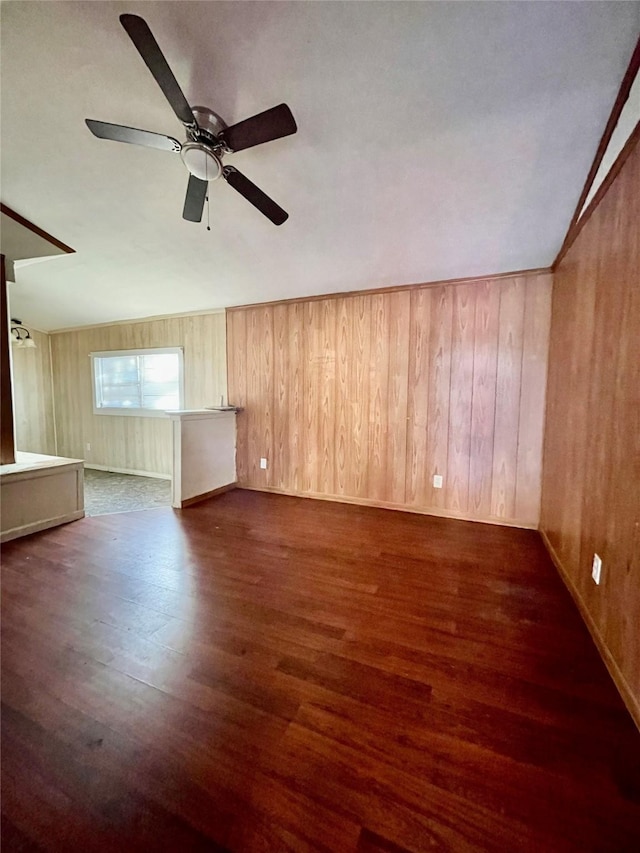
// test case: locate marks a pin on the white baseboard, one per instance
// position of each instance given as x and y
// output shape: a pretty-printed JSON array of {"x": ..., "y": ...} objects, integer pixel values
[{"x": 133, "y": 471}]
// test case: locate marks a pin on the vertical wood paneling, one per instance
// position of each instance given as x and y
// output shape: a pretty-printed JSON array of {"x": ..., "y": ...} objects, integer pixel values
[
  {"x": 439, "y": 392},
  {"x": 378, "y": 396},
  {"x": 505, "y": 438},
  {"x": 311, "y": 355},
  {"x": 485, "y": 365},
  {"x": 398, "y": 392},
  {"x": 591, "y": 477},
  {"x": 255, "y": 405},
  {"x": 237, "y": 368},
  {"x": 266, "y": 386},
  {"x": 567, "y": 402},
  {"x": 359, "y": 380},
  {"x": 460, "y": 398},
  {"x": 532, "y": 398},
  {"x": 343, "y": 402},
  {"x": 387, "y": 389},
  {"x": 33, "y": 397},
  {"x": 620, "y": 612},
  {"x": 291, "y": 467},
  {"x": 416, "y": 473},
  {"x": 281, "y": 390},
  {"x": 139, "y": 444},
  {"x": 326, "y": 396}
]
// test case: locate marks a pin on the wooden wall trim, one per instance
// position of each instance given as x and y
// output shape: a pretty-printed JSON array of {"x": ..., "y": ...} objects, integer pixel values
[
  {"x": 7, "y": 442},
  {"x": 633, "y": 705},
  {"x": 393, "y": 289},
  {"x": 396, "y": 507},
  {"x": 600, "y": 194},
  {"x": 132, "y": 321},
  {"x": 196, "y": 499},
  {"x": 621, "y": 99},
  {"x": 35, "y": 230}
]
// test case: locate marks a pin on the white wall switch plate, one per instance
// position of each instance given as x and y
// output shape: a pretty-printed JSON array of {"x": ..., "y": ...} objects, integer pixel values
[
  {"x": 88, "y": 445},
  {"x": 437, "y": 481},
  {"x": 597, "y": 568},
  {"x": 263, "y": 462}
]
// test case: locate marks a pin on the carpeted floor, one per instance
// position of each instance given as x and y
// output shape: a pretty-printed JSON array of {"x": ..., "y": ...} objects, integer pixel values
[{"x": 105, "y": 492}]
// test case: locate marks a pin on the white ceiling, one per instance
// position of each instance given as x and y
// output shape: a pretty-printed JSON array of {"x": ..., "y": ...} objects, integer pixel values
[{"x": 436, "y": 140}]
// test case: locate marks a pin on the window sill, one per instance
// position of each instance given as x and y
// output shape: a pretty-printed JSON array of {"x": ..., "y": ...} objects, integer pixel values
[{"x": 131, "y": 413}]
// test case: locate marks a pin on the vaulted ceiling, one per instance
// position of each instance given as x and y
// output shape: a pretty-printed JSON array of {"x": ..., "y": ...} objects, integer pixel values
[{"x": 436, "y": 140}]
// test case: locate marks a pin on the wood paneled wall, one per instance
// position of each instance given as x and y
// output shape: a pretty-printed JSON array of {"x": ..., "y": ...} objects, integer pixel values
[
  {"x": 591, "y": 483},
  {"x": 33, "y": 396},
  {"x": 124, "y": 442},
  {"x": 366, "y": 397}
]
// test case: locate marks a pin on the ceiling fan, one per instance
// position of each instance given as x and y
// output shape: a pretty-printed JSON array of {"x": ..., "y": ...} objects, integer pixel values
[{"x": 208, "y": 137}]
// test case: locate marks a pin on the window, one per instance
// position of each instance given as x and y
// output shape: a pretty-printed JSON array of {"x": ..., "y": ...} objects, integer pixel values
[{"x": 143, "y": 382}]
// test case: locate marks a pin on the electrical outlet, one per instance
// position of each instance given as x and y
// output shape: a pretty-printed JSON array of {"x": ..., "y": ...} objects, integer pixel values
[
  {"x": 263, "y": 463},
  {"x": 437, "y": 481},
  {"x": 88, "y": 445},
  {"x": 596, "y": 568}
]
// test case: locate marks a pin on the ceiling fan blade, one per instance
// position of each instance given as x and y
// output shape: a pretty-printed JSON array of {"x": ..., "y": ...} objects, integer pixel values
[
  {"x": 255, "y": 195},
  {"x": 120, "y": 133},
  {"x": 142, "y": 37},
  {"x": 194, "y": 201},
  {"x": 271, "y": 124}
]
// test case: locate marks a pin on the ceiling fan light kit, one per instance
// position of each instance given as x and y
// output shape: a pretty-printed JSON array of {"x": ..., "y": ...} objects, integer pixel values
[
  {"x": 201, "y": 162},
  {"x": 208, "y": 137},
  {"x": 20, "y": 336},
  {"x": 203, "y": 157}
]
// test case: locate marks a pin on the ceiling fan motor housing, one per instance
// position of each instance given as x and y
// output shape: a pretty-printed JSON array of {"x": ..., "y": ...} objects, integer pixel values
[
  {"x": 209, "y": 122},
  {"x": 203, "y": 156}
]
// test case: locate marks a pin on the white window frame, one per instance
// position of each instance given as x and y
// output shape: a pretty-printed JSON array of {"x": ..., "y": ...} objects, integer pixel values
[{"x": 136, "y": 412}]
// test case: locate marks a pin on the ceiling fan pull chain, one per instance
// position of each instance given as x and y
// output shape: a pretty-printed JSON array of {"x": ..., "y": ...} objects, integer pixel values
[{"x": 207, "y": 175}]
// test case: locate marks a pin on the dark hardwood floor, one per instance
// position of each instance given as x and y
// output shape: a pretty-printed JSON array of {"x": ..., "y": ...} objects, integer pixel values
[{"x": 263, "y": 673}]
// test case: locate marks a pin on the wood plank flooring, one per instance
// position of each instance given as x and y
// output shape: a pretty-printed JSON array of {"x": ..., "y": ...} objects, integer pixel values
[{"x": 267, "y": 673}]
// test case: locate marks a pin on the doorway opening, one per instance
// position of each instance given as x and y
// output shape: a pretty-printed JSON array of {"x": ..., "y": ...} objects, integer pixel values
[{"x": 106, "y": 492}]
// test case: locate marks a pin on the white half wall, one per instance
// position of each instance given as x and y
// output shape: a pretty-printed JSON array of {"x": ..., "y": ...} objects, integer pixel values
[{"x": 204, "y": 453}]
